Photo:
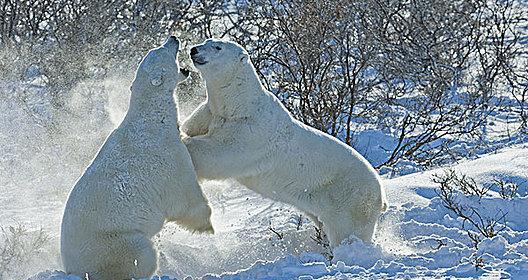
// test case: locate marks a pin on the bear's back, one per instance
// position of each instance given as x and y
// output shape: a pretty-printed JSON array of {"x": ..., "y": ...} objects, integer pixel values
[
  {"x": 301, "y": 146},
  {"x": 118, "y": 189}
]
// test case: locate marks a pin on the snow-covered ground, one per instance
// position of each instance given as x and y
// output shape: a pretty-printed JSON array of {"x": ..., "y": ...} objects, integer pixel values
[
  {"x": 43, "y": 151},
  {"x": 418, "y": 236}
]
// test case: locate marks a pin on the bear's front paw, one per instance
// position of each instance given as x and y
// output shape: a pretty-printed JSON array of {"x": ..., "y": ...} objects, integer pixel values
[
  {"x": 186, "y": 139},
  {"x": 202, "y": 220},
  {"x": 198, "y": 220}
]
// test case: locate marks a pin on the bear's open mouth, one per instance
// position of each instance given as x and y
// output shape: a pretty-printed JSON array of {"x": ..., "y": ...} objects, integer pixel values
[{"x": 199, "y": 61}]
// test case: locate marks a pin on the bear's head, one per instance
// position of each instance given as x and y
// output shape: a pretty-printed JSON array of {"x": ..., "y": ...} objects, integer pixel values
[
  {"x": 160, "y": 69},
  {"x": 218, "y": 60}
]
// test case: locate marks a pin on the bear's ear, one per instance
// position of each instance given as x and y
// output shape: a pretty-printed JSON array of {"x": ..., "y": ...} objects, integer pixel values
[
  {"x": 243, "y": 57},
  {"x": 157, "y": 76}
]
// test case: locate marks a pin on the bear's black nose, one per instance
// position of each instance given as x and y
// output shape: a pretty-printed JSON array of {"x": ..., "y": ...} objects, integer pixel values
[{"x": 194, "y": 50}]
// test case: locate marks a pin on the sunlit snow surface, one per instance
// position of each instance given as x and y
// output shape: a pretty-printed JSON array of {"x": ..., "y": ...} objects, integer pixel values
[{"x": 417, "y": 236}]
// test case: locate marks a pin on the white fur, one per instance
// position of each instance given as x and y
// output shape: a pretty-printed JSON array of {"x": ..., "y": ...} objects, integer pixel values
[
  {"x": 141, "y": 177},
  {"x": 244, "y": 132}
]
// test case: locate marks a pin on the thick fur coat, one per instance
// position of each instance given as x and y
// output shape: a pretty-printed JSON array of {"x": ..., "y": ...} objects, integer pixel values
[
  {"x": 243, "y": 132},
  {"x": 141, "y": 178}
]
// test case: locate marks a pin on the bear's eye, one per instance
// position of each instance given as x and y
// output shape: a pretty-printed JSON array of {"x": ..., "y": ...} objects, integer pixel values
[{"x": 218, "y": 48}]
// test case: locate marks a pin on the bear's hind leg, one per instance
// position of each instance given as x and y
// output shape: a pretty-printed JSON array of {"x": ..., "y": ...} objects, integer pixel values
[
  {"x": 197, "y": 218},
  {"x": 340, "y": 226},
  {"x": 130, "y": 255}
]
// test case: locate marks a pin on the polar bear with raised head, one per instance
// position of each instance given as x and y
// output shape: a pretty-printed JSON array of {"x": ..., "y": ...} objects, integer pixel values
[
  {"x": 141, "y": 178},
  {"x": 243, "y": 132}
]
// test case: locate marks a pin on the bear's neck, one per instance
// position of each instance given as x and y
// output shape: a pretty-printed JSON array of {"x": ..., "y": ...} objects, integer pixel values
[
  {"x": 235, "y": 98},
  {"x": 153, "y": 105}
]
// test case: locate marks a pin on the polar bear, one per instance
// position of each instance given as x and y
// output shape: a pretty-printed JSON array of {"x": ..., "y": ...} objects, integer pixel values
[
  {"x": 141, "y": 177},
  {"x": 243, "y": 132}
]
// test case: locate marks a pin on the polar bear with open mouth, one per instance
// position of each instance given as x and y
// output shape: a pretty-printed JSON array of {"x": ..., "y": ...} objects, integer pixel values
[{"x": 243, "y": 132}]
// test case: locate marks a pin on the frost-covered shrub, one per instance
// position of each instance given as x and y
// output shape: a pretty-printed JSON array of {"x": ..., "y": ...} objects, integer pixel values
[
  {"x": 428, "y": 74},
  {"x": 506, "y": 190},
  {"x": 483, "y": 208},
  {"x": 18, "y": 247}
]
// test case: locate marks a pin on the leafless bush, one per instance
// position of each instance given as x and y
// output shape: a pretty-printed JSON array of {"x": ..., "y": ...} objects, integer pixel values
[
  {"x": 451, "y": 182},
  {"x": 437, "y": 54},
  {"x": 68, "y": 38},
  {"x": 315, "y": 57},
  {"x": 17, "y": 247},
  {"x": 320, "y": 237},
  {"x": 279, "y": 235},
  {"x": 451, "y": 185},
  {"x": 506, "y": 190},
  {"x": 426, "y": 72},
  {"x": 478, "y": 262},
  {"x": 299, "y": 222}
]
